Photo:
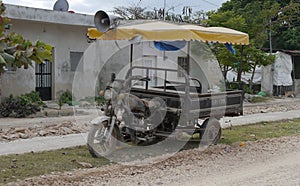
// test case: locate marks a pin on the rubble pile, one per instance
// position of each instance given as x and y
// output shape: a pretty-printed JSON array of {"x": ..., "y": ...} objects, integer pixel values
[
  {"x": 64, "y": 128},
  {"x": 271, "y": 108}
]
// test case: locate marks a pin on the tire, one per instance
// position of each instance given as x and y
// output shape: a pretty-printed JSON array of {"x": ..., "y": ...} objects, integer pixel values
[
  {"x": 96, "y": 142},
  {"x": 210, "y": 133}
]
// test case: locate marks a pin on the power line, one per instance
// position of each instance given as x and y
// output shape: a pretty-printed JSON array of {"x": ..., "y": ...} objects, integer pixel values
[{"x": 208, "y": 3}]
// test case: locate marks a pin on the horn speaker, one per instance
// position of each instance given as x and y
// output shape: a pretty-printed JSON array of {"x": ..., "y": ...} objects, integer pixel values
[{"x": 105, "y": 22}]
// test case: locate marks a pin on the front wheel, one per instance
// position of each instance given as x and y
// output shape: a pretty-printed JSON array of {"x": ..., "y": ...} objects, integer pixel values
[
  {"x": 100, "y": 143},
  {"x": 210, "y": 133}
]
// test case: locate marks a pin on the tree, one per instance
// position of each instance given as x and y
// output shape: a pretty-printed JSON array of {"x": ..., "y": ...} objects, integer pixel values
[
  {"x": 131, "y": 12},
  {"x": 281, "y": 18},
  {"x": 286, "y": 26},
  {"x": 226, "y": 59},
  {"x": 16, "y": 52},
  {"x": 255, "y": 57},
  {"x": 227, "y": 19},
  {"x": 254, "y": 18}
]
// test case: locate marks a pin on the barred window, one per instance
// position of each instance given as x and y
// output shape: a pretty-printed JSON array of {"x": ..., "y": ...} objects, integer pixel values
[{"x": 183, "y": 64}]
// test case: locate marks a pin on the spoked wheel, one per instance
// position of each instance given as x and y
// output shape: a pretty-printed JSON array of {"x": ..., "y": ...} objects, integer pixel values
[
  {"x": 100, "y": 142},
  {"x": 210, "y": 133}
]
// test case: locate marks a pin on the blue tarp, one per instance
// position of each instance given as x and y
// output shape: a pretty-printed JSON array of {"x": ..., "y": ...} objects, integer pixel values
[
  {"x": 230, "y": 48},
  {"x": 169, "y": 45}
]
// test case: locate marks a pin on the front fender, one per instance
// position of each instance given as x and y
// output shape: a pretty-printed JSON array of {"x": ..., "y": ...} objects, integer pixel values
[{"x": 99, "y": 120}]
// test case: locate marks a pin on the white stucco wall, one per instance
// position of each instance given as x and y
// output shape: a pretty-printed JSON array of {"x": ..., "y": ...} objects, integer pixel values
[{"x": 19, "y": 82}]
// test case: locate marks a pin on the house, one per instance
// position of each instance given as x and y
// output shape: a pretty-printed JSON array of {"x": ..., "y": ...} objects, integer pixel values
[{"x": 65, "y": 31}]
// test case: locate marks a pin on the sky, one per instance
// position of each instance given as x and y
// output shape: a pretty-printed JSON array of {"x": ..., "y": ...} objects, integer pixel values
[{"x": 92, "y": 6}]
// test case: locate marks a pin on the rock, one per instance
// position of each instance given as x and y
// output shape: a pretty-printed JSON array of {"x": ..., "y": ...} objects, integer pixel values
[
  {"x": 5, "y": 137},
  {"x": 248, "y": 97},
  {"x": 53, "y": 131},
  {"x": 65, "y": 124},
  {"x": 75, "y": 129},
  {"x": 14, "y": 136},
  {"x": 43, "y": 133},
  {"x": 85, "y": 104},
  {"x": 85, "y": 165},
  {"x": 67, "y": 130},
  {"x": 20, "y": 130},
  {"x": 23, "y": 136}
]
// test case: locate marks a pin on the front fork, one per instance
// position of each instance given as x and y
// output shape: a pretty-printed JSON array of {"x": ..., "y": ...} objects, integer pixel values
[{"x": 112, "y": 125}]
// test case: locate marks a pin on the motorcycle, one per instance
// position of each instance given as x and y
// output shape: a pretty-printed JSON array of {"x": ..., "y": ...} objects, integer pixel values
[{"x": 140, "y": 115}]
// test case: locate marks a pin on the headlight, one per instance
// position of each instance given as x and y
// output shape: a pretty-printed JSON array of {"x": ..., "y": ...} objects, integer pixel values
[{"x": 108, "y": 94}]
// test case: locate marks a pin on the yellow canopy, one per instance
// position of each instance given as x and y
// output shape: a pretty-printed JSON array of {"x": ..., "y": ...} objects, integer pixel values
[{"x": 162, "y": 31}]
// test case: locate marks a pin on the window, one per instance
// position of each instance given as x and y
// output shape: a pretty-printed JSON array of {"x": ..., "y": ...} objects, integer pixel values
[
  {"x": 183, "y": 64},
  {"x": 76, "y": 61}
]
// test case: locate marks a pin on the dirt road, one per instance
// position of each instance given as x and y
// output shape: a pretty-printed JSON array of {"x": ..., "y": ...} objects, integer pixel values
[{"x": 266, "y": 162}]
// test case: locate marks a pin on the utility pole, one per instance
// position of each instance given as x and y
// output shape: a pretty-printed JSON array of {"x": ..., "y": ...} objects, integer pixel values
[
  {"x": 164, "y": 11},
  {"x": 270, "y": 37}
]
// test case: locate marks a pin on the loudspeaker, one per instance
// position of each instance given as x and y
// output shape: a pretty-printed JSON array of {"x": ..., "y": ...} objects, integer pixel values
[{"x": 105, "y": 22}]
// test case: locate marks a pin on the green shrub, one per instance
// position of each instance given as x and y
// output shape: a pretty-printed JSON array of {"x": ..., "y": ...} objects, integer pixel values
[
  {"x": 35, "y": 98},
  {"x": 236, "y": 86},
  {"x": 21, "y": 106},
  {"x": 100, "y": 100},
  {"x": 7, "y": 107},
  {"x": 65, "y": 97}
]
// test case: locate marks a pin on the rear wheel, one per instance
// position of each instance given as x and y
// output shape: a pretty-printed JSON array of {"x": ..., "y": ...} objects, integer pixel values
[
  {"x": 210, "y": 133},
  {"x": 99, "y": 142}
]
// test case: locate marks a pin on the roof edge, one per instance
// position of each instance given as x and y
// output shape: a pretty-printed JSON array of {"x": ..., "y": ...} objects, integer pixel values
[{"x": 49, "y": 16}]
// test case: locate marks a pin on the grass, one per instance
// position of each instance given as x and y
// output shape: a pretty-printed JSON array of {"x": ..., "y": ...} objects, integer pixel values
[
  {"x": 260, "y": 131},
  {"x": 259, "y": 99},
  {"x": 14, "y": 167}
]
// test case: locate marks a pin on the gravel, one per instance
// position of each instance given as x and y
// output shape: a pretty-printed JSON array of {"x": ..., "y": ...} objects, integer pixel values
[
  {"x": 281, "y": 105},
  {"x": 265, "y": 162}
]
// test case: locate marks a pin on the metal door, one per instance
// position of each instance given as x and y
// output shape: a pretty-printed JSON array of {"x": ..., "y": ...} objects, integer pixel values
[
  {"x": 150, "y": 61},
  {"x": 43, "y": 74}
]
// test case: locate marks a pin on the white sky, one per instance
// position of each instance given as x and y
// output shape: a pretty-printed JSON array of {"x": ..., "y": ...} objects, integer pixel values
[{"x": 92, "y": 6}]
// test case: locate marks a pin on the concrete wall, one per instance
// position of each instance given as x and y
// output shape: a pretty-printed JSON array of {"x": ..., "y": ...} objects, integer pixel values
[
  {"x": 64, "y": 33},
  {"x": 267, "y": 80}
]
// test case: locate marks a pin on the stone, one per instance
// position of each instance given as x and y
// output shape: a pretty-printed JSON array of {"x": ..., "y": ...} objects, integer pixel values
[
  {"x": 85, "y": 165},
  {"x": 20, "y": 130},
  {"x": 5, "y": 137},
  {"x": 85, "y": 104},
  {"x": 67, "y": 130},
  {"x": 43, "y": 133},
  {"x": 23, "y": 136}
]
